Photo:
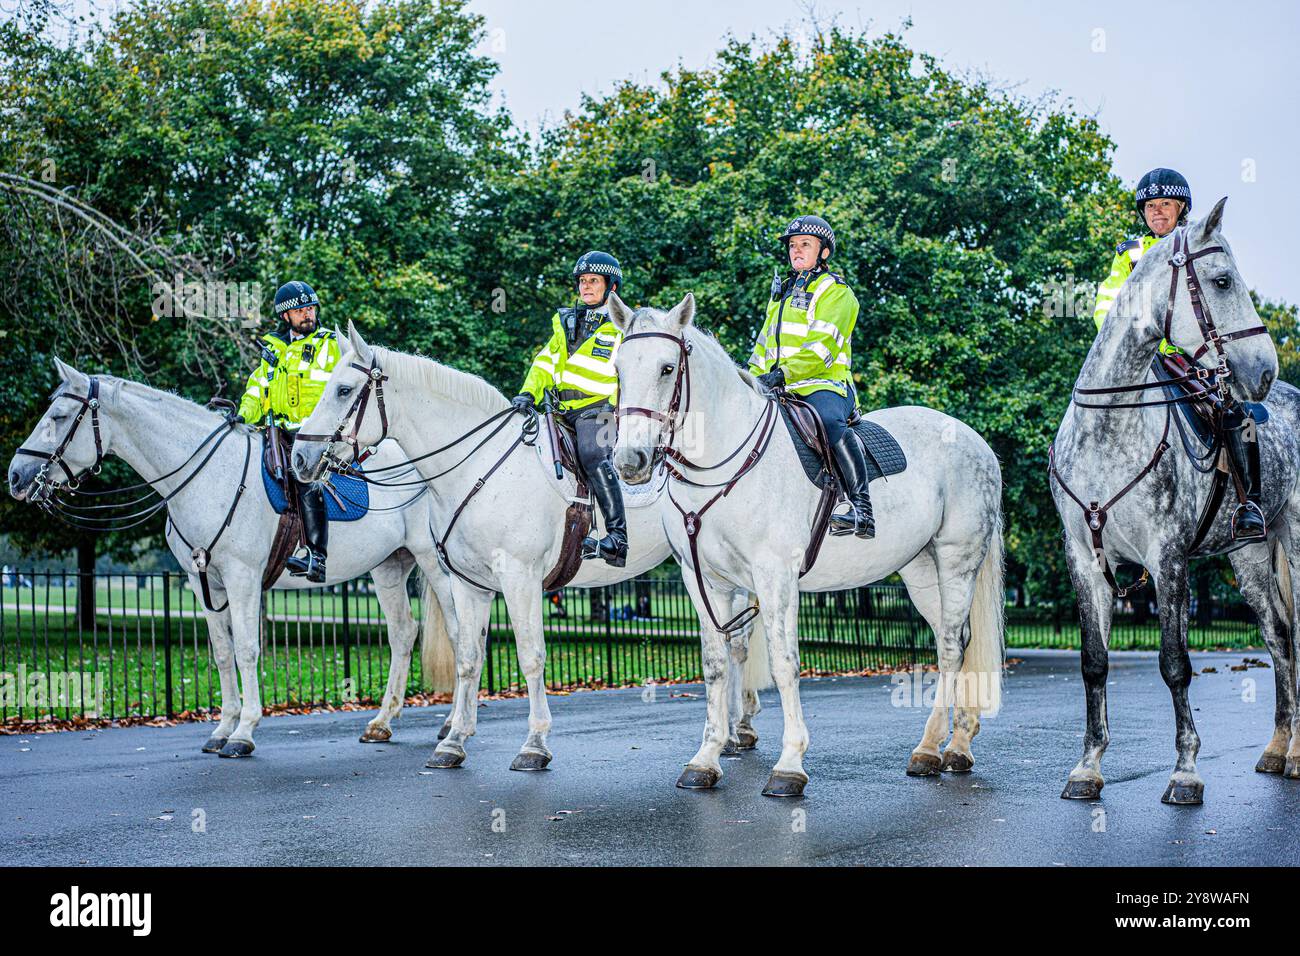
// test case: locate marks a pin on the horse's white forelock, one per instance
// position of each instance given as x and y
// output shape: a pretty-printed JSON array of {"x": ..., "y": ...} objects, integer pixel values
[{"x": 443, "y": 380}]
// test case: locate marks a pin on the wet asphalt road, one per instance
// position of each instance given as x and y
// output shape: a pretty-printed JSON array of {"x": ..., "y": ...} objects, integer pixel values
[{"x": 313, "y": 795}]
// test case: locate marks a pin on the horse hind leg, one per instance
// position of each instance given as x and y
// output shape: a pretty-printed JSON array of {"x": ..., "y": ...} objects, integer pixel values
[
  {"x": 473, "y": 609},
  {"x": 921, "y": 576},
  {"x": 390, "y": 590},
  {"x": 524, "y": 602},
  {"x": 1265, "y": 583}
]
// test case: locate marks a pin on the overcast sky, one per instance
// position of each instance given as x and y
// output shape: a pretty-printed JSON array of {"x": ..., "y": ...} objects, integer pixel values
[{"x": 1211, "y": 89}]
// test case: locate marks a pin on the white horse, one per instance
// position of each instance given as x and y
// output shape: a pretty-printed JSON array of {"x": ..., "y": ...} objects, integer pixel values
[
  {"x": 505, "y": 511},
  {"x": 938, "y": 523},
  {"x": 156, "y": 433}
]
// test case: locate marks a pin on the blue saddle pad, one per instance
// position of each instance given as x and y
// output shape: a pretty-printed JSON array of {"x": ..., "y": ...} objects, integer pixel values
[{"x": 350, "y": 499}]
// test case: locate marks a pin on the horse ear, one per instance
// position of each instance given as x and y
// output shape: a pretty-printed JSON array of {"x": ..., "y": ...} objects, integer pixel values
[
  {"x": 1214, "y": 220},
  {"x": 67, "y": 373},
  {"x": 684, "y": 311},
  {"x": 338, "y": 339},
  {"x": 358, "y": 343},
  {"x": 619, "y": 313}
]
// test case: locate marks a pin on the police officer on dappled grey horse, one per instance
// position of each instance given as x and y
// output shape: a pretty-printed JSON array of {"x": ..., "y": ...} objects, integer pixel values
[
  {"x": 284, "y": 389},
  {"x": 1163, "y": 199},
  {"x": 804, "y": 347},
  {"x": 578, "y": 365}
]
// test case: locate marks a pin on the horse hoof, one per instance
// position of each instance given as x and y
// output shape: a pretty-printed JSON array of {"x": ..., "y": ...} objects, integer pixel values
[
  {"x": 1086, "y": 789},
  {"x": 730, "y": 749},
  {"x": 214, "y": 744},
  {"x": 376, "y": 735},
  {"x": 1271, "y": 763},
  {"x": 445, "y": 760},
  {"x": 446, "y": 729},
  {"x": 530, "y": 760},
  {"x": 698, "y": 778},
  {"x": 746, "y": 740},
  {"x": 923, "y": 765},
  {"x": 785, "y": 785},
  {"x": 1292, "y": 769},
  {"x": 1184, "y": 793},
  {"x": 236, "y": 748},
  {"x": 955, "y": 762}
]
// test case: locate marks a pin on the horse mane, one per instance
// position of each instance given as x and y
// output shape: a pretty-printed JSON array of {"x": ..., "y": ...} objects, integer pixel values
[{"x": 450, "y": 383}]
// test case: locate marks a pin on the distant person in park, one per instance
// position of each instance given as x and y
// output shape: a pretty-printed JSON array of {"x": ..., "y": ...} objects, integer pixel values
[
  {"x": 804, "y": 348},
  {"x": 1163, "y": 200},
  {"x": 577, "y": 367},
  {"x": 296, "y": 362}
]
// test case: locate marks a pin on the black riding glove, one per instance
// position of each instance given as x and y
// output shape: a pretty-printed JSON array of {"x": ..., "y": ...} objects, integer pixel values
[
  {"x": 524, "y": 402},
  {"x": 774, "y": 378},
  {"x": 234, "y": 418}
]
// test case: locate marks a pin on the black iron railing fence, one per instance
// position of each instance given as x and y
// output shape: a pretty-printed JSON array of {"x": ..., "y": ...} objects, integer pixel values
[{"x": 142, "y": 649}]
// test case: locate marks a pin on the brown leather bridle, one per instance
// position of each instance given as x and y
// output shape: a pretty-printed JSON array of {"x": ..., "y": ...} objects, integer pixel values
[
  {"x": 89, "y": 403},
  {"x": 678, "y": 405},
  {"x": 356, "y": 412},
  {"x": 1095, "y": 513}
]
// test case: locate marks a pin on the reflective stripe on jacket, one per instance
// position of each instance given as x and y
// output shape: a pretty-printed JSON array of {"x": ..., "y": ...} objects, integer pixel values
[
  {"x": 814, "y": 325},
  {"x": 583, "y": 377},
  {"x": 289, "y": 380}
]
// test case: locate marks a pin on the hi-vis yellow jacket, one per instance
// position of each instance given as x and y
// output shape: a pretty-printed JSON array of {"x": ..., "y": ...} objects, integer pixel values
[
  {"x": 1127, "y": 253},
  {"x": 289, "y": 380},
  {"x": 814, "y": 324},
  {"x": 583, "y": 377}
]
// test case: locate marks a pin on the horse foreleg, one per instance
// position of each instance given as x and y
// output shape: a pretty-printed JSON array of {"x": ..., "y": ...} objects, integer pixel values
[
  {"x": 778, "y": 594},
  {"x": 473, "y": 610},
  {"x": 704, "y": 769},
  {"x": 223, "y": 652},
  {"x": 524, "y": 601},
  {"x": 1095, "y": 609},
  {"x": 245, "y": 624},
  {"x": 1185, "y": 784}
]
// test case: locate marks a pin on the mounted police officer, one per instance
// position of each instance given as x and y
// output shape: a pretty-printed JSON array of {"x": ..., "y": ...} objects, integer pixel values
[
  {"x": 296, "y": 364},
  {"x": 1163, "y": 200},
  {"x": 578, "y": 365},
  {"x": 804, "y": 347}
]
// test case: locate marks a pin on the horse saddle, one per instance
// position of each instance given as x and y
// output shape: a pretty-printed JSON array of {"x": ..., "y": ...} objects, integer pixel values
[
  {"x": 578, "y": 516},
  {"x": 883, "y": 454},
  {"x": 347, "y": 495},
  {"x": 1199, "y": 415}
]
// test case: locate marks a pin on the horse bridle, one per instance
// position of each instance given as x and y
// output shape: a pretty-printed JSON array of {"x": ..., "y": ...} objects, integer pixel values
[
  {"x": 692, "y": 521},
  {"x": 1212, "y": 338},
  {"x": 89, "y": 403},
  {"x": 356, "y": 412},
  {"x": 1095, "y": 513}
]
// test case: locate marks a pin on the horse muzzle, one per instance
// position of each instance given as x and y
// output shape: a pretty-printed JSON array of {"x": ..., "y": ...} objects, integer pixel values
[
  {"x": 308, "y": 460},
  {"x": 634, "y": 465}
]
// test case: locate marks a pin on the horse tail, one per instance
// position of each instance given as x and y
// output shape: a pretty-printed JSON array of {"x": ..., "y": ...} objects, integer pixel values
[
  {"x": 1282, "y": 579},
  {"x": 985, "y": 654},
  {"x": 758, "y": 672},
  {"x": 437, "y": 658}
]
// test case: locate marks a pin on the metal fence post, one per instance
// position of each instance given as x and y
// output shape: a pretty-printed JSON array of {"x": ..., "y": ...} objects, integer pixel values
[
  {"x": 347, "y": 639},
  {"x": 609, "y": 640},
  {"x": 167, "y": 640}
]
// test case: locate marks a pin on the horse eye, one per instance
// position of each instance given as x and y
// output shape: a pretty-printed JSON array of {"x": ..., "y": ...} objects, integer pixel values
[
  {"x": 1223, "y": 282},
  {"x": 58, "y": 418},
  {"x": 344, "y": 391},
  {"x": 667, "y": 370}
]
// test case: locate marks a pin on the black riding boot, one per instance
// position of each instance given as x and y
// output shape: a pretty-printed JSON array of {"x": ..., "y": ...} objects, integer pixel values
[
  {"x": 315, "y": 529},
  {"x": 1248, "y": 519},
  {"x": 609, "y": 496},
  {"x": 852, "y": 464}
]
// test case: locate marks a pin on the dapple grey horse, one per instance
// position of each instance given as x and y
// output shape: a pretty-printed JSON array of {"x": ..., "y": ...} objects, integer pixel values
[
  {"x": 156, "y": 433},
  {"x": 497, "y": 510},
  {"x": 1100, "y": 452},
  {"x": 938, "y": 523}
]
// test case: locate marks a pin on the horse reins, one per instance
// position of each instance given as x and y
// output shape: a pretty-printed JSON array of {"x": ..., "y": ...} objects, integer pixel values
[
  {"x": 693, "y": 520},
  {"x": 1095, "y": 514}
]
